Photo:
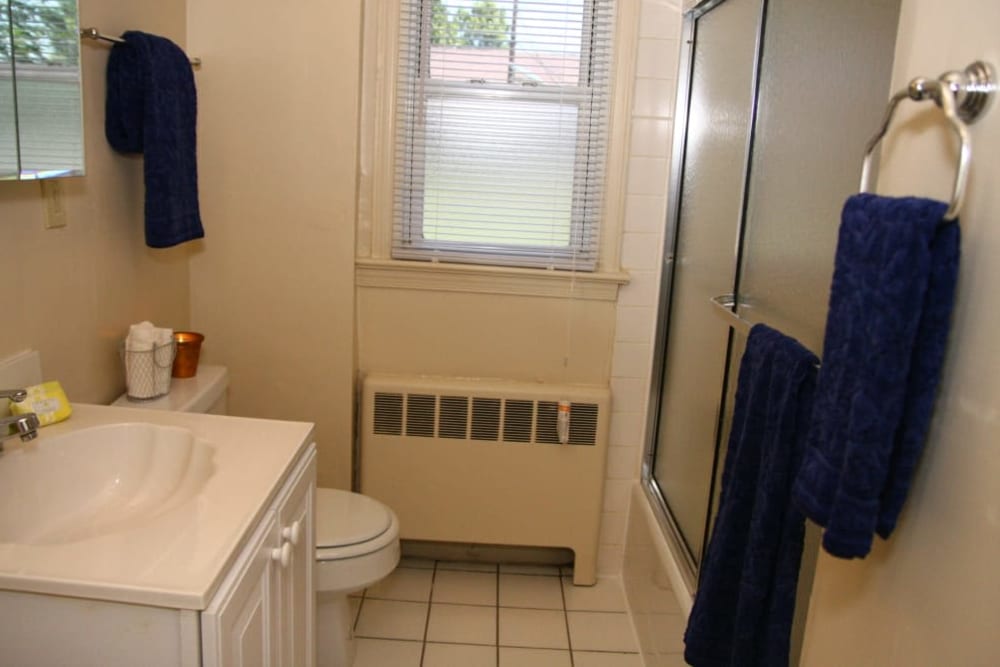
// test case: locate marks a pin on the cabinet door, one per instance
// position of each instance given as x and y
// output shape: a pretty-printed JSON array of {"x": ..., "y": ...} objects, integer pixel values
[
  {"x": 240, "y": 625},
  {"x": 295, "y": 580}
]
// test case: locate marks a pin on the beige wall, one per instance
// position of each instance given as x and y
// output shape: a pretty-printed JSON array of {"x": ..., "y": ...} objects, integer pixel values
[
  {"x": 484, "y": 335},
  {"x": 931, "y": 594},
  {"x": 72, "y": 292},
  {"x": 272, "y": 287}
]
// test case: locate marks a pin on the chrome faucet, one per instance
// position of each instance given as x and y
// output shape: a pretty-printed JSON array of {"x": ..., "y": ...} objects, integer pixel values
[{"x": 25, "y": 426}]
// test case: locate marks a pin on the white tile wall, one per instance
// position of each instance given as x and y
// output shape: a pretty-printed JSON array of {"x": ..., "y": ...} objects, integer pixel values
[{"x": 642, "y": 241}]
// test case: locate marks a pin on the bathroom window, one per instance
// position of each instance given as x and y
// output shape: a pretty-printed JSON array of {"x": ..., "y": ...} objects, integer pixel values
[{"x": 502, "y": 115}]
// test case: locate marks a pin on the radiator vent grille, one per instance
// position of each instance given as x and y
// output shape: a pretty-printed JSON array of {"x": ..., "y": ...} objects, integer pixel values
[
  {"x": 420, "y": 410},
  {"x": 454, "y": 417},
  {"x": 388, "y": 414},
  {"x": 514, "y": 420},
  {"x": 486, "y": 419}
]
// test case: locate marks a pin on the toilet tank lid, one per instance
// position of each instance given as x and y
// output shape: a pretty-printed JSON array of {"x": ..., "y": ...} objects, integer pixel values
[
  {"x": 344, "y": 518},
  {"x": 194, "y": 394}
]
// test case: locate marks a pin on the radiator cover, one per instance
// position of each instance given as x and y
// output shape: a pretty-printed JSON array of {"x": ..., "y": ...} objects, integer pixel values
[{"x": 479, "y": 461}]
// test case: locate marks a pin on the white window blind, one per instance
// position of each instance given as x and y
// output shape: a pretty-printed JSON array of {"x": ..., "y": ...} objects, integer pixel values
[{"x": 502, "y": 113}]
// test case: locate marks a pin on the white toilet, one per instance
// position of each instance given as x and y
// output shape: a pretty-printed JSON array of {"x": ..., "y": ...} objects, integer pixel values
[{"x": 357, "y": 537}]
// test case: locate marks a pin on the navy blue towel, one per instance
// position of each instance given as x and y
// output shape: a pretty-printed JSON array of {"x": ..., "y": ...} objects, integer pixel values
[
  {"x": 151, "y": 108},
  {"x": 742, "y": 614},
  {"x": 890, "y": 308}
]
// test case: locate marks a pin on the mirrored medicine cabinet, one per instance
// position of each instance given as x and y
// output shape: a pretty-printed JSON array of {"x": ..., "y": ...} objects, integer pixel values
[{"x": 41, "y": 111}]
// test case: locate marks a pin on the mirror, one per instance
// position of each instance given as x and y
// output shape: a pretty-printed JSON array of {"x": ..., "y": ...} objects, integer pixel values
[{"x": 41, "y": 111}]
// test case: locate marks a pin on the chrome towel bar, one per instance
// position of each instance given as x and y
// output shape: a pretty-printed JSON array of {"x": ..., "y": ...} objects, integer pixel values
[{"x": 97, "y": 35}]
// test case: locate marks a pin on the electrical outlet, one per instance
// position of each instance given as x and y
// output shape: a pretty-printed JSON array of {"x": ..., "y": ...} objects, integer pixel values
[{"x": 55, "y": 210}]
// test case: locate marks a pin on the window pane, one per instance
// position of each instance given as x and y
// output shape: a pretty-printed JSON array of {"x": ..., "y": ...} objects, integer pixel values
[
  {"x": 512, "y": 41},
  {"x": 510, "y": 183}
]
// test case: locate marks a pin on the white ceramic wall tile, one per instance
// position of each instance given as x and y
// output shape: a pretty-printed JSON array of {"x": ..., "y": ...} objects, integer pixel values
[
  {"x": 533, "y": 657},
  {"x": 657, "y": 58},
  {"x": 631, "y": 360},
  {"x": 645, "y": 213},
  {"x": 659, "y": 19},
  {"x": 633, "y": 324},
  {"x": 641, "y": 251},
  {"x": 616, "y": 493},
  {"x": 459, "y": 655},
  {"x": 609, "y": 560},
  {"x": 530, "y": 591},
  {"x": 629, "y": 394},
  {"x": 670, "y": 633},
  {"x": 389, "y": 619},
  {"x": 642, "y": 289},
  {"x": 647, "y": 176},
  {"x": 654, "y": 98},
  {"x": 462, "y": 624},
  {"x": 650, "y": 137},
  {"x": 623, "y": 462},
  {"x": 606, "y": 595},
  {"x": 402, "y": 583},
  {"x": 601, "y": 631},
  {"x": 627, "y": 427},
  {"x": 382, "y": 652},
  {"x": 533, "y": 628},
  {"x": 613, "y": 528},
  {"x": 592, "y": 659},
  {"x": 460, "y": 587}
]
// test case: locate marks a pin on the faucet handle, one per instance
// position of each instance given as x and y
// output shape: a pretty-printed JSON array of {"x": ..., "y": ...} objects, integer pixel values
[{"x": 16, "y": 395}]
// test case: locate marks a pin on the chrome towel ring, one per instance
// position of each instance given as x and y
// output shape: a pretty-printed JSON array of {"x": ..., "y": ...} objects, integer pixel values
[{"x": 963, "y": 97}]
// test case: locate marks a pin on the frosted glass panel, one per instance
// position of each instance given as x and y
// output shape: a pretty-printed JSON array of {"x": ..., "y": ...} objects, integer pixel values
[
  {"x": 800, "y": 177},
  {"x": 719, "y": 121}
]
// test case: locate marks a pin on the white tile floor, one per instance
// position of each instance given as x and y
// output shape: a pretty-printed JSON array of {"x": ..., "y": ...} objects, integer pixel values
[{"x": 442, "y": 614}]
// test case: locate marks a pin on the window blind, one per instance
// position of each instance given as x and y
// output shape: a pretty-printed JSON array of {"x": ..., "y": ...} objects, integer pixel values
[{"x": 502, "y": 114}]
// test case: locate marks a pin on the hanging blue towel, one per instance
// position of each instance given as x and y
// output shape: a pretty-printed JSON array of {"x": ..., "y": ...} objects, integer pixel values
[
  {"x": 151, "y": 108},
  {"x": 742, "y": 614},
  {"x": 890, "y": 306}
]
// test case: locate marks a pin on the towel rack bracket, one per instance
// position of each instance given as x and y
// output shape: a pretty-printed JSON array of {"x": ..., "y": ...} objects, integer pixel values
[{"x": 974, "y": 89}]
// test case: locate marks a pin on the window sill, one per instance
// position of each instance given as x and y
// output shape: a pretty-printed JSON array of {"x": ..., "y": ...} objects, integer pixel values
[{"x": 432, "y": 276}]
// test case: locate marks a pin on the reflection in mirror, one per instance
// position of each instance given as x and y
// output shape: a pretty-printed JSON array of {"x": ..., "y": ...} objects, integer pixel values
[
  {"x": 8, "y": 126},
  {"x": 44, "y": 38}
]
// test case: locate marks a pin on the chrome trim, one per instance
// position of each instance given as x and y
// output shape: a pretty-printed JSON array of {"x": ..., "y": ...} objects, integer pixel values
[{"x": 963, "y": 97}]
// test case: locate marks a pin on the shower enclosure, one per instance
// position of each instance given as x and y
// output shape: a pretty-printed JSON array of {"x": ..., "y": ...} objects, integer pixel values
[{"x": 775, "y": 103}]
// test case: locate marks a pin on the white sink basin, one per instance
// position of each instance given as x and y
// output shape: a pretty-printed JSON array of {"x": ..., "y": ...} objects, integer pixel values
[{"x": 98, "y": 480}]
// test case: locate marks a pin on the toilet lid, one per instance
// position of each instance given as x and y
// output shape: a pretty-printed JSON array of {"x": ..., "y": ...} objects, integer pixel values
[{"x": 344, "y": 518}]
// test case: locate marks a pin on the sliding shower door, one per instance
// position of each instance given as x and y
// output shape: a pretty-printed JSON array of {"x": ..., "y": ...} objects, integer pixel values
[
  {"x": 720, "y": 109},
  {"x": 763, "y": 161}
]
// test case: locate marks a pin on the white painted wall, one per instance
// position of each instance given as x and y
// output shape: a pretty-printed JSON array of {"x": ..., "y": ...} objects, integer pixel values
[{"x": 931, "y": 595}]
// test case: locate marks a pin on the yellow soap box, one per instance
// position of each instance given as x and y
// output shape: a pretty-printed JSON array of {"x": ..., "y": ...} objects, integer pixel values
[{"x": 47, "y": 400}]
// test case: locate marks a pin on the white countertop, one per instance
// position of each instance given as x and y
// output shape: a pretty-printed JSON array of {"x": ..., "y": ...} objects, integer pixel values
[{"x": 178, "y": 558}]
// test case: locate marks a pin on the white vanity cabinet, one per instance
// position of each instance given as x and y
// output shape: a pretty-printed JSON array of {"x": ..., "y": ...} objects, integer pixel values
[
  {"x": 263, "y": 613},
  {"x": 224, "y": 579}
]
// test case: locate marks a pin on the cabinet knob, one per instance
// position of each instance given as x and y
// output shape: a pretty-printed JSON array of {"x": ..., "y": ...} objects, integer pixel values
[
  {"x": 282, "y": 555},
  {"x": 292, "y": 533}
]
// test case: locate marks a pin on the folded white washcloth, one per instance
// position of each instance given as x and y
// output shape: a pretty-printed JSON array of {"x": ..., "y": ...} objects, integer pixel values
[{"x": 142, "y": 337}]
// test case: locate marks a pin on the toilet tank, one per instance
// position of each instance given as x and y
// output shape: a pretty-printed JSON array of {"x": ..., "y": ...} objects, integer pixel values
[{"x": 206, "y": 392}]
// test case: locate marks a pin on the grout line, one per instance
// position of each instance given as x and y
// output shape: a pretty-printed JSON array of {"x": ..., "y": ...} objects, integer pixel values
[
  {"x": 427, "y": 622},
  {"x": 357, "y": 615},
  {"x": 496, "y": 614},
  {"x": 569, "y": 640}
]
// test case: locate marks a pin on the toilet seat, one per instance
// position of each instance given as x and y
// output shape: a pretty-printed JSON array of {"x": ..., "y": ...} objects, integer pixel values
[{"x": 349, "y": 525}]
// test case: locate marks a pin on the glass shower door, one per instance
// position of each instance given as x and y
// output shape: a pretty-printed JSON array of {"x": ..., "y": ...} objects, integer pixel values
[{"x": 720, "y": 117}]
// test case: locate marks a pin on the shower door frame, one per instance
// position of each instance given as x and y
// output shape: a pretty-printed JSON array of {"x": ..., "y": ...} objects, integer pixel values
[{"x": 685, "y": 558}]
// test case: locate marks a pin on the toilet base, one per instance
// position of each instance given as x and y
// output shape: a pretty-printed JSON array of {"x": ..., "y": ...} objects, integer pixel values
[{"x": 334, "y": 631}]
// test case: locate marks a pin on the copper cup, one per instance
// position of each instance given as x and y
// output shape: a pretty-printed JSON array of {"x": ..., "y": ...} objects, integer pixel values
[{"x": 188, "y": 349}]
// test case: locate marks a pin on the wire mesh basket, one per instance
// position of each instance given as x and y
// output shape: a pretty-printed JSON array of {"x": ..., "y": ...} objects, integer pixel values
[{"x": 147, "y": 372}]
